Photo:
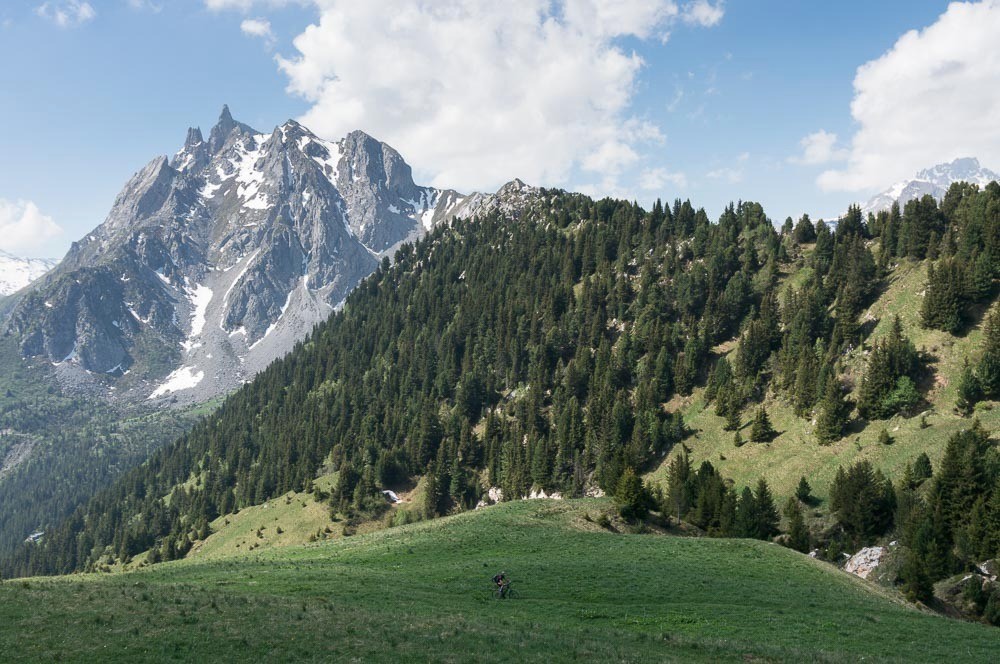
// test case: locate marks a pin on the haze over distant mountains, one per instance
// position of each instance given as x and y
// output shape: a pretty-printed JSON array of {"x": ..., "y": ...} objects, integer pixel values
[
  {"x": 934, "y": 181},
  {"x": 213, "y": 263}
]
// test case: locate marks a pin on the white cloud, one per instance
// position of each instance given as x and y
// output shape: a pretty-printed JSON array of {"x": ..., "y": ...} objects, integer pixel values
[
  {"x": 655, "y": 179},
  {"x": 474, "y": 93},
  {"x": 260, "y": 28},
  {"x": 147, "y": 5},
  {"x": 247, "y": 5},
  {"x": 23, "y": 227},
  {"x": 68, "y": 14},
  {"x": 929, "y": 99},
  {"x": 703, "y": 13},
  {"x": 819, "y": 147}
]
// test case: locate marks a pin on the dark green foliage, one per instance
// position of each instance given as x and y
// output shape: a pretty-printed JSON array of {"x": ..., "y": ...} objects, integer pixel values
[
  {"x": 803, "y": 492},
  {"x": 884, "y": 438},
  {"x": 988, "y": 371},
  {"x": 944, "y": 299},
  {"x": 766, "y": 512},
  {"x": 922, "y": 467},
  {"x": 833, "y": 412},
  {"x": 631, "y": 497},
  {"x": 864, "y": 501},
  {"x": 798, "y": 533},
  {"x": 888, "y": 385},
  {"x": 969, "y": 389},
  {"x": 761, "y": 430},
  {"x": 804, "y": 232}
]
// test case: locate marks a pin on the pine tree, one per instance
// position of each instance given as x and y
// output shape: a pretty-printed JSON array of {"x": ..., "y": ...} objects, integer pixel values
[
  {"x": 988, "y": 371},
  {"x": 761, "y": 430},
  {"x": 969, "y": 390},
  {"x": 803, "y": 492},
  {"x": 678, "y": 495},
  {"x": 833, "y": 411},
  {"x": 746, "y": 522},
  {"x": 631, "y": 497},
  {"x": 765, "y": 511},
  {"x": 733, "y": 422},
  {"x": 798, "y": 533},
  {"x": 922, "y": 469}
]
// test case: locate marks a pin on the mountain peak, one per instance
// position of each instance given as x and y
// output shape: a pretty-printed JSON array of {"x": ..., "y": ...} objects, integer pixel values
[
  {"x": 194, "y": 137},
  {"x": 223, "y": 128},
  {"x": 934, "y": 181}
]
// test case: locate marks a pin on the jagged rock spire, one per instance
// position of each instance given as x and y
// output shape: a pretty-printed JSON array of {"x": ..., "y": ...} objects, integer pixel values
[{"x": 194, "y": 137}]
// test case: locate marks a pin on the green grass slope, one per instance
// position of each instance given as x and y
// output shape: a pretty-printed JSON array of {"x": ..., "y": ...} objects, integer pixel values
[
  {"x": 794, "y": 453},
  {"x": 420, "y": 593}
]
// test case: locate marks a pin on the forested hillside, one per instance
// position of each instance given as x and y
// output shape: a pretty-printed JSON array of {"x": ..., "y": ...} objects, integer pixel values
[
  {"x": 540, "y": 352},
  {"x": 57, "y": 449}
]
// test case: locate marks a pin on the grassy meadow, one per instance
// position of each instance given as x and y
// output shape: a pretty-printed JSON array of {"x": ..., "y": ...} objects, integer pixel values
[{"x": 421, "y": 593}]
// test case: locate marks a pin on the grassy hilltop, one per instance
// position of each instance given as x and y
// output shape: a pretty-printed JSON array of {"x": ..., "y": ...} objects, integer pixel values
[{"x": 419, "y": 593}]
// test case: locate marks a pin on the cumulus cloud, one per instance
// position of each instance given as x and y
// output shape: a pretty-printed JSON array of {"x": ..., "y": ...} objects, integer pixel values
[
  {"x": 929, "y": 99},
  {"x": 260, "y": 28},
  {"x": 656, "y": 179},
  {"x": 474, "y": 93},
  {"x": 819, "y": 148},
  {"x": 68, "y": 14},
  {"x": 23, "y": 227},
  {"x": 703, "y": 13}
]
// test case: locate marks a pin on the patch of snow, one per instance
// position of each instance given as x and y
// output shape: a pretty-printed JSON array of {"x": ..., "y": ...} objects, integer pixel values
[
  {"x": 184, "y": 378},
  {"x": 208, "y": 191},
  {"x": 329, "y": 165},
  {"x": 248, "y": 177},
  {"x": 201, "y": 297}
]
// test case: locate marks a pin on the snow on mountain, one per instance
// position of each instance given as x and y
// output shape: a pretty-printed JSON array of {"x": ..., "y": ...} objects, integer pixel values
[
  {"x": 934, "y": 181},
  {"x": 213, "y": 263},
  {"x": 16, "y": 273}
]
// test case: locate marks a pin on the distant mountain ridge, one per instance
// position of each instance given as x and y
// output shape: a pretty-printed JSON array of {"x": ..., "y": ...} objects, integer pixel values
[
  {"x": 934, "y": 181},
  {"x": 16, "y": 273},
  {"x": 214, "y": 262}
]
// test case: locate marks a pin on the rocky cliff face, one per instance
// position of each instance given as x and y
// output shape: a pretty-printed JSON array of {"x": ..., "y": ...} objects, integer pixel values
[{"x": 213, "y": 263}]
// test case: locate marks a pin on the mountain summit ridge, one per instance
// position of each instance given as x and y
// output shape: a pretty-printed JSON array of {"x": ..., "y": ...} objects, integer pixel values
[{"x": 934, "y": 181}]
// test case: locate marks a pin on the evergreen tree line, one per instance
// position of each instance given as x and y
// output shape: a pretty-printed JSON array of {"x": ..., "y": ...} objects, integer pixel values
[{"x": 519, "y": 352}]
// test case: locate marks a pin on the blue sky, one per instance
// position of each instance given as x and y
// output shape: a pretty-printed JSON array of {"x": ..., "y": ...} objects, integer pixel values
[{"x": 705, "y": 100}]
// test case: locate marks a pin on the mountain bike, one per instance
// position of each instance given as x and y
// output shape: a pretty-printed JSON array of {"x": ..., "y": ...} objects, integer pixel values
[{"x": 507, "y": 592}]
